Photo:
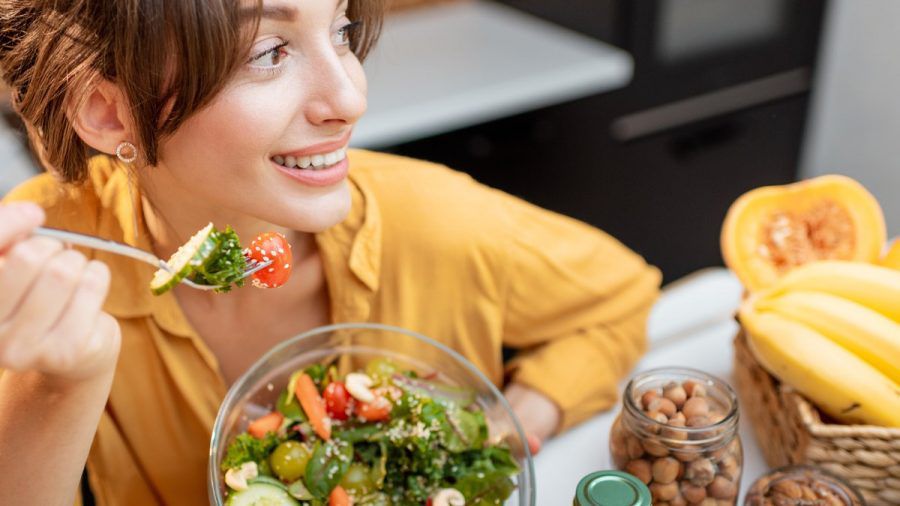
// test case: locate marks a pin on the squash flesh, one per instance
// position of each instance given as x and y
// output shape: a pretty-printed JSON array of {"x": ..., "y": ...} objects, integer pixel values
[{"x": 771, "y": 230}]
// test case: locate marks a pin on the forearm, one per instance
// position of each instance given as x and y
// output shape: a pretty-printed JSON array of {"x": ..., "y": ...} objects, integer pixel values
[{"x": 47, "y": 426}]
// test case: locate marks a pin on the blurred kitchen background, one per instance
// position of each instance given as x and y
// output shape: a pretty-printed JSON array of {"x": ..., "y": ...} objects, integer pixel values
[{"x": 646, "y": 118}]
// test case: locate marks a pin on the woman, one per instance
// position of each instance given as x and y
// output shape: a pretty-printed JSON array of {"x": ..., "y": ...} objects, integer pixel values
[{"x": 199, "y": 110}]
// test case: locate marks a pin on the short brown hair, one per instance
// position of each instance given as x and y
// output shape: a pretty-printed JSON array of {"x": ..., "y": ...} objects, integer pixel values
[{"x": 52, "y": 52}]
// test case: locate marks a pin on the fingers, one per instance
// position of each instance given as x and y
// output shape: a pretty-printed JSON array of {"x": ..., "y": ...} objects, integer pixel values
[
  {"x": 70, "y": 337},
  {"x": 49, "y": 295},
  {"x": 17, "y": 220},
  {"x": 20, "y": 268}
]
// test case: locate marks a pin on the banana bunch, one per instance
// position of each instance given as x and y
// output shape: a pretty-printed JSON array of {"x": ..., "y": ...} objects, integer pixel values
[{"x": 831, "y": 330}]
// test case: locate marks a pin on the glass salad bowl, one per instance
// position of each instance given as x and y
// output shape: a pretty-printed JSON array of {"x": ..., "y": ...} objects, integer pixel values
[{"x": 349, "y": 348}]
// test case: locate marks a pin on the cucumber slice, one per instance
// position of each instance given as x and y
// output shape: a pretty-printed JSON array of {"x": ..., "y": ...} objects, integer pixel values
[
  {"x": 261, "y": 494},
  {"x": 193, "y": 254}
]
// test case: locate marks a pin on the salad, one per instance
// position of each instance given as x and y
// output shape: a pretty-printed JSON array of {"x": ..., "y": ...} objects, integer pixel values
[
  {"x": 379, "y": 436},
  {"x": 215, "y": 258}
]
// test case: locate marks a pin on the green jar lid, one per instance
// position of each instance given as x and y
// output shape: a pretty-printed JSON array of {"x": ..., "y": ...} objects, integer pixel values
[{"x": 611, "y": 488}]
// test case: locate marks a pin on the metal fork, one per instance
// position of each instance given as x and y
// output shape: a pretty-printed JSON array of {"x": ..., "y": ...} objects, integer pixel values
[{"x": 118, "y": 248}]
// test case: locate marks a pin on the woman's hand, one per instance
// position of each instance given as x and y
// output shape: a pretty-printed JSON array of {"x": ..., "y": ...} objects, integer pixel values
[
  {"x": 51, "y": 318},
  {"x": 539, "y": 415}
]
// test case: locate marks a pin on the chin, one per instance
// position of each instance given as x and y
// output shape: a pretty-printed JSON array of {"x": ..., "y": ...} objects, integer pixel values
[{"x": 317, "y": 214}]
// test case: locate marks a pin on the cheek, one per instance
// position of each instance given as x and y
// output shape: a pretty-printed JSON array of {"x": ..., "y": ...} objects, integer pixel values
[{"x": 237, "y": 129}]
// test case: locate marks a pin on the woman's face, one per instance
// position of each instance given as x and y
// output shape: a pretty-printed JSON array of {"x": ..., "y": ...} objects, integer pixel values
[{"x": 271, "y": 145}]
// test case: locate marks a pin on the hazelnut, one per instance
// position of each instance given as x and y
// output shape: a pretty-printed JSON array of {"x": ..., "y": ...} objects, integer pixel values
[
  {"x": 788, "y": 488},
  {"x": 678, "y": 416},
  {"x": 640, "y": 469},
  {"x": 709, "y": 501},
  {"x": 655, "y": 448},
  {"x": 671, "y": 431},
  {"x": 693, "y": 493},
  {"x": 675, "y": 393},
  {"x": 694, "y": 389},
  {"x": 648, "y": 396},
  {"x": 663, "y": 405},
  {"x": 698, "y": 421},
  {"x": 700, "y": 472},
  {"x": 657, "y": 417},
  {"x": 722, "y": 488},
  {"x": 730, "y": 468},
  {"x": 695, "y": 406},
  {"x": 663, "y": 491},
  {"x": 666, "y": 470},
  {"x": 634, "y": 447},
  {"x": 678, "y": 501}
]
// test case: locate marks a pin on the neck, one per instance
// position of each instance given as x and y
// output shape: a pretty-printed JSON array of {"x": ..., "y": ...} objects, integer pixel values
[{"x": 172, "y": 218}]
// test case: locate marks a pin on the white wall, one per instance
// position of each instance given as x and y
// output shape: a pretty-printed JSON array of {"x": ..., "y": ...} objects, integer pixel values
[{"x": 854, "y": 126}]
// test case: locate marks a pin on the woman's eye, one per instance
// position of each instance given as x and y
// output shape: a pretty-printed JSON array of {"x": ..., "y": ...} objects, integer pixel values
[
  {"x": 270, "y": 57},
  {"x": 342, "y": 36}
]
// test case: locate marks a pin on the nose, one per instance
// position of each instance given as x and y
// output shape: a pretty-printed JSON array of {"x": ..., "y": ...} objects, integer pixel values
[{"x": 338, "y": 94}]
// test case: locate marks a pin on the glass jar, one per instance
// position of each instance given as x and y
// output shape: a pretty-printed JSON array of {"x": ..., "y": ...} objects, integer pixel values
[
  {"x": 802, "y": 485},
  {"x": 678, "y": 433}
]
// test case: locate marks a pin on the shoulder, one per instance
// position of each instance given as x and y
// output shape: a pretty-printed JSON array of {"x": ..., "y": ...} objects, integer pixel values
[
  {"x": 76, "y": 207},
  {"x": 429, "y": 205}
]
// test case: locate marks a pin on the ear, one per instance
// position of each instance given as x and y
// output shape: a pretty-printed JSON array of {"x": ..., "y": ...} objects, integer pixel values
[{"x": 103, "y": 121}]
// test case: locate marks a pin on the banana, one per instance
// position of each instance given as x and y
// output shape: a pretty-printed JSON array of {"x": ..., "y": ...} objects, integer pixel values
[
  {"x": 837, "y": 381},
  {"x": 872, "y": 286},
  {"x": 866, "y": 333},
  {"x": 891, "y": 259}
]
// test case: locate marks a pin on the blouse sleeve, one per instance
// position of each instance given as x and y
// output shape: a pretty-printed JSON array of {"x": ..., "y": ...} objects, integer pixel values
[{"x": 577, "y": 308}]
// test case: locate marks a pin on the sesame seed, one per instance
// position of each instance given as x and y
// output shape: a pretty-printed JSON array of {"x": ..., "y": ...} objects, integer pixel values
[{"x": 271, "y": 269}]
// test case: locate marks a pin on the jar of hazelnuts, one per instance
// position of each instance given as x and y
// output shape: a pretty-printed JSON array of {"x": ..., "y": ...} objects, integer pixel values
[{"x": 678, "y": 433}]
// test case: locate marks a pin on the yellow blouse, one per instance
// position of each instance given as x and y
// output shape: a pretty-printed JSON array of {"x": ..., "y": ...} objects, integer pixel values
[{"x": 424, "y": 248}]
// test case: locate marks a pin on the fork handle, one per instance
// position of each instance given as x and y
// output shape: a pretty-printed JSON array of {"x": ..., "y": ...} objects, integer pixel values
[{"x": 100, "y": 244}]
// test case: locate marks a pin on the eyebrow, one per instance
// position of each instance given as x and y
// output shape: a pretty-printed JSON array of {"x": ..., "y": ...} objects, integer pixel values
[{"x": 279, "y": 12}]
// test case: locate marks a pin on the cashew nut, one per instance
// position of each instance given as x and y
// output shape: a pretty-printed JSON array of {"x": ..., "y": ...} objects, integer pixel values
[
  {"x": 358, "y": 385},
  {"x": 237, "y": 478},
  {"x": 448, "y": 497}
]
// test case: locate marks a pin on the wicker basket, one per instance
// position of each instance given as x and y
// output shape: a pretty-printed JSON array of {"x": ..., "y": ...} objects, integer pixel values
[{"x": 791, "y": 431}]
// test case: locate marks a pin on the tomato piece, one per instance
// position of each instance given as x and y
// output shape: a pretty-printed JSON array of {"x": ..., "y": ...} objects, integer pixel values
[
  {"x": 337, "y": 400},
  {"x": 271, "y": 246},
  {"x": 269, "y": 423},
  {"x": 375, "y": 411},
  {"x": 339, "y": 497},
  {"x": 313, "y": 405}
]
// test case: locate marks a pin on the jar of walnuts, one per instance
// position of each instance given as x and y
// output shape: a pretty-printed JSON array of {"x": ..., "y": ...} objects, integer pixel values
[
  {"x": 678, "y": 433},
  {"x": 801, "y": 486}
]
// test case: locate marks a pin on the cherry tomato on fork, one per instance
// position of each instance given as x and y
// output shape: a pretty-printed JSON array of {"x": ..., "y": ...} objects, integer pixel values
[{"x": 271, "y": 246}]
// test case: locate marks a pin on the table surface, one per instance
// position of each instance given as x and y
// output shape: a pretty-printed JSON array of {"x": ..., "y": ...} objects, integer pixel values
[
  {"x": 452, "y": 65},
  {"x": 691, "y": 326}
]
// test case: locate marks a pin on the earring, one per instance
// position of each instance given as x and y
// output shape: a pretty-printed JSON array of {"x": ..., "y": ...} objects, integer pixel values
[{"x": 126, "y": 152}]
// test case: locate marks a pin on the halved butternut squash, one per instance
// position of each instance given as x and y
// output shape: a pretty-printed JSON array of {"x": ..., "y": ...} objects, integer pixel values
[{"x": 769, "y": 231}]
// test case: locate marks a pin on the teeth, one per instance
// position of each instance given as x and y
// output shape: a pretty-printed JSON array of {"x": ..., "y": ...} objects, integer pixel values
[{"x": 314, "y": 162}]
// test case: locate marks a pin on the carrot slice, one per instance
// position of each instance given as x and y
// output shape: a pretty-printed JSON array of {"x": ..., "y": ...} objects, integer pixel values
[
  {"x": 339, "y": 497},
  {"x": 261, "y": 426},
  {"x": 313, "y": 405}
]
